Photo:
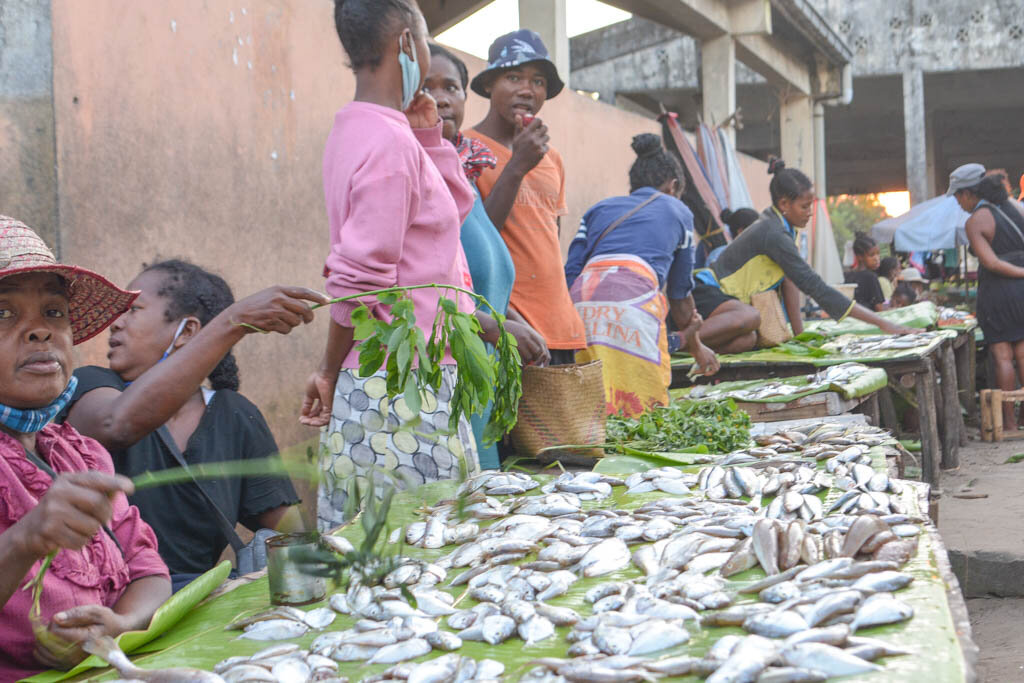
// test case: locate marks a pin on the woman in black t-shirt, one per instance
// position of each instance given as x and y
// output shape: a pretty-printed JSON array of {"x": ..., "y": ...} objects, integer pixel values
[
  {"x": 178, "y": 333},
  {"x": 869, "y": 289}
]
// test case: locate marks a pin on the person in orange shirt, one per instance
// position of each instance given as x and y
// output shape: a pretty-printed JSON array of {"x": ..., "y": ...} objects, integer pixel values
[{"x": 525, "y": 194}]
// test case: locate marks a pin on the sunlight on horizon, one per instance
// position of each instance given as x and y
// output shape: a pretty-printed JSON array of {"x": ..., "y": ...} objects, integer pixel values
[
  {"x": 895, "y": 203},
  {"x": 475, "y": 33}
]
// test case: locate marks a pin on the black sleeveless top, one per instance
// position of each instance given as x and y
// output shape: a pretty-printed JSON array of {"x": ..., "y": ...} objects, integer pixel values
[{"x": 1001, "y": 299}]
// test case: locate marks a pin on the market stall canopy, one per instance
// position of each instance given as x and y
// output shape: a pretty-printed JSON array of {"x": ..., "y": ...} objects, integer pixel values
[{"x": 935, "y": 224}]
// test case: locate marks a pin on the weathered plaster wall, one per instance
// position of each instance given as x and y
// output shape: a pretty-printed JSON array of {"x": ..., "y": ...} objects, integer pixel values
[
  {"x": 196, "y": 130},
  {"x": 28, "y": 189},
  {"x": 933, "y": 35}
]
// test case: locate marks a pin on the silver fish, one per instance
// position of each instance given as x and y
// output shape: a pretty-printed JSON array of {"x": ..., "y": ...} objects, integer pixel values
[
  {"x": 318, "y": 618},
  {"x": 275, "y": 629},
  {"x": 347, "y": 652},
  {"x": 437, "y": 670},
  {"x": 839, "y": 602},
  {"x": 766, "y": 545},
  {"x": 401, "y": 651},
  {"x": 497, "y": 629},
  {"x": 535, "y": 629},
  {"x": 291, "y": 670},
  {"x": 790, "y": 674},
  {"x": 105, "y": 648},
  {"x": 443, "y": 640},
  {"x": 826, "y": 659},
  {"x": 612, "y": 640},
  {"x": 747, "y": 661},
  {"x": 559, "y": 616},
  {"x": 656, "y": 635},
  {"x": 775, "y": 624},
  {"x": 881, "y": 609},
  {"x": 887, "y": 581},
  {"x": 248, "y": 673}
]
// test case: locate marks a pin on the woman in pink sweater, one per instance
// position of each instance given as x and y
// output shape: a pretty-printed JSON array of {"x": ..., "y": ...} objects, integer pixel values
[{"x": 396, "y": 196}]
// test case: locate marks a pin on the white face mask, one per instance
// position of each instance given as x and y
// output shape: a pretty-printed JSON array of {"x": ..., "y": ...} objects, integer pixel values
[{"x": 170, "y": 347}]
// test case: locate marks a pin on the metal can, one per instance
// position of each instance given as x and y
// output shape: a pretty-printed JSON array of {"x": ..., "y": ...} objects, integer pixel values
[{"x": 289, "y": 584}]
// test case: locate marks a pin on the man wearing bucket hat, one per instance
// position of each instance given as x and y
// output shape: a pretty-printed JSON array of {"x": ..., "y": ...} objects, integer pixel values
[
  {"x": 525, "y": 193},
  {"x": 58, "y": 488}
]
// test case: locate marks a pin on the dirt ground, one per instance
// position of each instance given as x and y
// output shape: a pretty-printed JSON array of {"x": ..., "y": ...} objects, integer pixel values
[
  {"x": 990, "y": 525},
  {"x": 999, "y": 631}
]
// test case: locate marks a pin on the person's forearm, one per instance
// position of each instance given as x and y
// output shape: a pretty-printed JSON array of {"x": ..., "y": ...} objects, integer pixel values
[
  {"x": 140, "y": 600},
  {"x": 502, "y": 197},
  {"x": 867, "y": 315},
  {"x": 16, "y": 562},
  {"x": 1001, "y": 267},
  {"x": 489, "y": 328},
  {"x": 791, "y": 300},
  {"x": 685, "y": 321},
  {"x": 340, "y": 341},
  {"x": 154, "y": 397}
]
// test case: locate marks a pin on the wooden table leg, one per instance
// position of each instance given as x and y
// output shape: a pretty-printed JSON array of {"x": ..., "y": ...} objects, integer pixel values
[
  {"x": 954, "y": 434},
  {"x": 931, "y": 446},
  {"x": 965, "y": 380},
  {"x": 870, "y": 409},
  {"x": 986, "y": 414},
  {"x": 997, "y": 414},
  {"x": 889, "y": 419}
]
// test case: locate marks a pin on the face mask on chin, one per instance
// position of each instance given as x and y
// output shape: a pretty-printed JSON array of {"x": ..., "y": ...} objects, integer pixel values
[{"x": 410, "y": 74}]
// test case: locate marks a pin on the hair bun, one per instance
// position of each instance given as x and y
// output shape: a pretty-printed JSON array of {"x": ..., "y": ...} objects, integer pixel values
[
  {"x": 646, "y": 145},
  {"x": 725, "y": 215},
  {"x": 775, "y": 164}
]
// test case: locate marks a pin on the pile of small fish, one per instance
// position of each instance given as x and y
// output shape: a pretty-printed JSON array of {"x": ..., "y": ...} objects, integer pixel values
[
  {"x": 836, "y": 374},
  {"x": 831, "y": 571},
  {"x": 854, "y": 345}
]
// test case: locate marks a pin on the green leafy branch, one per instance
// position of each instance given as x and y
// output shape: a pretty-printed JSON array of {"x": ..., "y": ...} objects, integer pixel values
[{"x": 413, "y": 363}]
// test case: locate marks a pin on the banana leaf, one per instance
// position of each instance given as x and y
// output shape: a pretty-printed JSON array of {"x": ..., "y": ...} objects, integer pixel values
[
  {"x": 200, "y": 640},
  {"x": 921, "y": 315},
  {"x": 638, "y": 461},
  {"x": 164, "y": 619},
  {"x": 869, "y": 381}
]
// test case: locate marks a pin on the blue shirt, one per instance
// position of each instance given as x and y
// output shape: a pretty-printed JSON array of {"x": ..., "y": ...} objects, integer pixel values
[
  {"x": 661, "y": 234},
  {"x": 490, "y": 264}
]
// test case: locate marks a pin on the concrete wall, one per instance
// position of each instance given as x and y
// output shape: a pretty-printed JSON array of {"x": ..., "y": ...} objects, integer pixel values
[
  {"x": 28, "y": 176},
  {"x": 196, "y": 130},
  {"x": 936, "y": 35}
]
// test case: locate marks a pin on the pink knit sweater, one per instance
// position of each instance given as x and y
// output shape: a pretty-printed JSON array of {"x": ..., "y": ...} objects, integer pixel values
[{"x": 396, "y": 198}]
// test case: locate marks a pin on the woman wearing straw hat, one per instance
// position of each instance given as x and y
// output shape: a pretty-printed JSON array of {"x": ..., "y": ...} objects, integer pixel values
[{"x": 58, "y": 488}]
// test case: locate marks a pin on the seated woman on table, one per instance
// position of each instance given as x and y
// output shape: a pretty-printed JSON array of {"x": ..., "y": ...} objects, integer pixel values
[
  {"x": 627, "y": 251},
  {"x": 58, "y": 488},
  {"x": 866, "y": 260},
  {"x": 888, "y": 275},
  {"x": 765, "y": 258},
  {"x": 151, "y": 399}
]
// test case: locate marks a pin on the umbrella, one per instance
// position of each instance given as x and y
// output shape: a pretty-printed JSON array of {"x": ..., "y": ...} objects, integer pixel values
[{"x": 930, "y": 226}]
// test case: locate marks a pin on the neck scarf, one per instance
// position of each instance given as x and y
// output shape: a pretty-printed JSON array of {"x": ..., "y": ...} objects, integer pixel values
[
  {"x": 474, "y": 155},
  {"x": 30, "y": 421}
]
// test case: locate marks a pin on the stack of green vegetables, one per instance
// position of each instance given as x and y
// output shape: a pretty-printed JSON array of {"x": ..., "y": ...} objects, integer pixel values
[{"x": 717, "y": 425}]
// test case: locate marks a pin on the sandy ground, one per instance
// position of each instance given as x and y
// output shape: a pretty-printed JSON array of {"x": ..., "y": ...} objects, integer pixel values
[
  {"x": 998, "y": 631},
  {"x": 989, "y": 524}
]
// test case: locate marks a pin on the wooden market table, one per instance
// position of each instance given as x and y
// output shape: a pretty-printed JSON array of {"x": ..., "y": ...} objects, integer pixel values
[
  {"x": 822, "y": 404},
  {"x": 928, "y": 375}
]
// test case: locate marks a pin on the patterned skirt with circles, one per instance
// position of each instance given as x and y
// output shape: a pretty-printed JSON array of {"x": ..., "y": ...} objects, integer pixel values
[{"x": 369, "y": 431}]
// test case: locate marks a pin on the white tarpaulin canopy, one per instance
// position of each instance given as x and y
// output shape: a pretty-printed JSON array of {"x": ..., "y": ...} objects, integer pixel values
[
  {"x": 930, "y": 226},
  {"x": 824, "y": 256}
]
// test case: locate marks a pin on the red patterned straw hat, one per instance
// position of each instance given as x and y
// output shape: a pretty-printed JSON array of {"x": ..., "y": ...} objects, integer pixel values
[{"x": 94, "y": 302}]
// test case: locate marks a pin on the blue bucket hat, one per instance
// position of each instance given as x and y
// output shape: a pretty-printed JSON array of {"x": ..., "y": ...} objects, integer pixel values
[{"x": 515, "y": 49}]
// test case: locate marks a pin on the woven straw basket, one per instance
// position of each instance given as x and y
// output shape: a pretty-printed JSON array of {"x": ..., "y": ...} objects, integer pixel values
[
  {"x": 564, "y": 404},
  {"x": 774, "y": 329}
]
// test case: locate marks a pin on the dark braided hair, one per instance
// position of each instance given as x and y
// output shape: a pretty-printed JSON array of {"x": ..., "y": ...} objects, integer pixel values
[
  {"x": 460, "y": 66},
  {"x": 888, "y": 266},
  {"x": 863, "y": 243},
  {"x": 653, "y": 166},
  {"x": 190, "y": 290},
  {"x": 363, "y": 26},
  {"x": 786, "y": 183}
]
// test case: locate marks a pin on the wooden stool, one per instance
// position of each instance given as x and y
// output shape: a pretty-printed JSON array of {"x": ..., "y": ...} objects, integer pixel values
[{"x": 992, "y": 401}]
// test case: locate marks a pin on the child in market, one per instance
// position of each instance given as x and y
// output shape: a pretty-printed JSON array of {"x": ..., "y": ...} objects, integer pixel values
[{"x": 525, "y": 193}]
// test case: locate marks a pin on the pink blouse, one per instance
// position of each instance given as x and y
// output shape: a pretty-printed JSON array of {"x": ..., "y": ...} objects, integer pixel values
[
  {"x": 96, "y": 574},
  {"x": 396, "y": 199}
]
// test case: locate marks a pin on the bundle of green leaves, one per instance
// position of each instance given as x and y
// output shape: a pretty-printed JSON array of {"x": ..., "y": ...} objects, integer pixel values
[{"x": 718, "y": 425}]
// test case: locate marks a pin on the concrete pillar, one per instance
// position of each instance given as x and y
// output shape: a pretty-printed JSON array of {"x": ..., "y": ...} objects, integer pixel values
[
  {"x": 796, "y": 132},
  {"x": 547, "y": 18},
  {"x": 915, "y": 131},
  {"x": 718, "y": 81},
  {"x": 931, "y": 189}
]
